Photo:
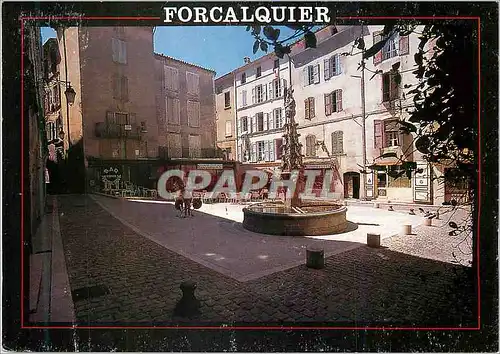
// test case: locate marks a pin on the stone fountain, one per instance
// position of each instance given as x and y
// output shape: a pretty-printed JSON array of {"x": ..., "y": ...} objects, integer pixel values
[{"x": 294, "y": 217}]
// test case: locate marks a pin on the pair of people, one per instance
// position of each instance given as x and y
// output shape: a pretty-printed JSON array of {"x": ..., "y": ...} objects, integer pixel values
[{"x": 183, "y": 203}]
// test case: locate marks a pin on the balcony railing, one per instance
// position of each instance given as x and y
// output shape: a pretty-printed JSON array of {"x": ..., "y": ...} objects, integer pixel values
[{"x": 119, "y": 131}]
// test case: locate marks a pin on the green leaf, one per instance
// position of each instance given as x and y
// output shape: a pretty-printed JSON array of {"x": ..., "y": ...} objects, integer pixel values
[
  {"x": 361, "y": 43},
  {"x": 408, "y": 127},
  {"x": 271, "y": 33},
  {"x": 397, "y": 78},
  {"x": 248, "y": 28},
  {"x": 310, "y": 39},
  {"x": 256, "y": 46},
  {"x": 263, "y": 46},
  {"x": 374, "y": 49},
  {"x": 256, "y": 30},
  {"x": 453, "y": 224},
  {"x": 422, "y": 144}
]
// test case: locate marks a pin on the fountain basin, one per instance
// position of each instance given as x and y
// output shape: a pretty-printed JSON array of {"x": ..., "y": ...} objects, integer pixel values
[{"x": 274, "y": 219}]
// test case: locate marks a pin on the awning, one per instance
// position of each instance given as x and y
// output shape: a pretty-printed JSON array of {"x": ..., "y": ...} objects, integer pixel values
[{"x": 388, "y": 162}]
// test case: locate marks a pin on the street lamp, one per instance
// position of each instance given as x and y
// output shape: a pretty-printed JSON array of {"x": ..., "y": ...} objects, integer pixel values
[{"x": 70, "y": 94}]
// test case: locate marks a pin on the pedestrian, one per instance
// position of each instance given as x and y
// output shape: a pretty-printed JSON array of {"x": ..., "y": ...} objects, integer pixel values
[
  {"x": 188, "y": 199},
  {"x": 179, "y": 202}
]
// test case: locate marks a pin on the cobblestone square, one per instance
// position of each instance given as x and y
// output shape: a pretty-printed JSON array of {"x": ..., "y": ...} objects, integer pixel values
[{"x": 410, "y": 281}]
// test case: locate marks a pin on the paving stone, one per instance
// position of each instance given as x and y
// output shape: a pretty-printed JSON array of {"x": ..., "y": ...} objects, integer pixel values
[{"x": 411, "y": 280}]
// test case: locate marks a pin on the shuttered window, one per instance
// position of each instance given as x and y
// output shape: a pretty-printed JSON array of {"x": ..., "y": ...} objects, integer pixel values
[
  {"x": 309, "y": 108},
  {"x": 338, "y": 142},
  {"x": 310, "y": 146}
]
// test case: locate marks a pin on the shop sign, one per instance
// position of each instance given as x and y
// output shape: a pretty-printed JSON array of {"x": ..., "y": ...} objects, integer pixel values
[
  {"x": 317, "y": 167},
  {"x": 111, "y": 175},
  {"x": 210, "y": 166}
]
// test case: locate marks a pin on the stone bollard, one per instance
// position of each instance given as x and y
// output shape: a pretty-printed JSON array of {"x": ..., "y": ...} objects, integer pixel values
[
  {"x": 188, "y": 305},
  {"x": 428, "y": 222},
  {"x": 315, "y": 258},
  {"x": 373, "y": 240},
  {"x": 406, "y": 230},
  {"x": 376, "y": 205}
]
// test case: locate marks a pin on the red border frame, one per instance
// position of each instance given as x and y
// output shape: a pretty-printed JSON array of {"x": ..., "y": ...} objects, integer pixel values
[{"x": 139, "y": 18}]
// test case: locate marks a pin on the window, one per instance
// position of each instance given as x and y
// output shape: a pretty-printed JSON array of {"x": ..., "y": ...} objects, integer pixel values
[
  {"x": 278, "y": 118},
  {"x": 390, "y": 89},
  {"x": 244, "y": 124},
  {"x": 332, "y": 67},
  {"x": 276, "y": 63},
  {"x": 259, "y": 94},
  {"x": 276, "y": 88},
  {"x": 279, "y": 148},
  {"x": 193, "y": 83},
  {"x": 260, "y": 121},
  {"x": 194, "y": 146},
  {"x": 309, "y": 107},
  {"x": 173, "y": 110},
  {"x": 260, "y": 151},
  {"x": 171, "y": 78},
  {"x": 258, "y": 73},
  {"x": 119, "y": 49},
  {"x": 174, "y": 145},
  {"x": 244, "y": 98},
  {"x": 243, "y": 78},
  {"x": 310, "y": 146},
  {"x": 193, "y": 110},
  {"x": 333, "y": 102},
  {"x": 144, "y": 128},
  {"x": 398, "y": 182},
  {"x": 396, "y": 45},
  {"x": 120, "y": 87},
  {"x": 311, "y": 75},
  {"x": 386, "y": 133},
  {"x": 227, "y": 99},
  {"x": 390, "y": 48},
  {"x": 338, "y": 142},
  {"x": 229, "y": 128}
]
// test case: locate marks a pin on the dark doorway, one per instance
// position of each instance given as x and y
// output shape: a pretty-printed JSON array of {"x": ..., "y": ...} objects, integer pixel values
[{"x": 351, "y": 185}]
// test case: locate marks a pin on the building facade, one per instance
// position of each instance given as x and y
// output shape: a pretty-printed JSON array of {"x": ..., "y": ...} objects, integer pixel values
[
  {"x": 260, "y": 115},
  {"x": 327, "y": 85},
  {"x": 225, "y": 104}
]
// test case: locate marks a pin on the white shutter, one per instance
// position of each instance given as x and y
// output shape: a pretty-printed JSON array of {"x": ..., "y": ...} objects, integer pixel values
[
  {"x": 271, "y": 117},
  {"x": 271, "y": 91},
  {"x": 272, "y": 152},
  {"x": 254, "y": 123},
  {"x": 175, "y": 79},
  {"x": 238, "y": 126},
  {"x": 283, "y": 87},
  {"x": 266, "y": 150},
  {"x": 254, "y": 152},
  {"x": 305, "y": 76},
  {"x": 239, "y": 147},
  {"x": 266, "y": 121},
  {"x": 316, "y": 73},
  {"x": 264, "y": 90},
  {"x": 123, "y": 52},
  {"x": 253, "y": 95},
  {"x": 244, "y": 98},
  {"x": 337, "y": 65}
]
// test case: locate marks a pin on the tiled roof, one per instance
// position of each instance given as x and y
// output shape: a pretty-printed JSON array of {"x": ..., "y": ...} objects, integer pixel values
[{"x": 184, "y": 62}]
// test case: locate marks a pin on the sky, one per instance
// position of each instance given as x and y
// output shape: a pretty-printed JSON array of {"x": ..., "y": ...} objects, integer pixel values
[{"x": 220, "y": 48}]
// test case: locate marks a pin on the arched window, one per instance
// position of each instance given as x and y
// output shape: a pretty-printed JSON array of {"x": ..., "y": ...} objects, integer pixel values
[
  {"x": 338, "y": 142},
  {"x": 310, "y": 145}
]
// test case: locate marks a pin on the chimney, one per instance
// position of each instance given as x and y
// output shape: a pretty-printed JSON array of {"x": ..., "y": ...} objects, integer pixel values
[{"x": 247, "y": 60}]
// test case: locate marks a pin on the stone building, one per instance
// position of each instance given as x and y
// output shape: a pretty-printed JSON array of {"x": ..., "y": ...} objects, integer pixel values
[
  {"x": 52, "y": 88},
  {"x": 225, "y": 104}
]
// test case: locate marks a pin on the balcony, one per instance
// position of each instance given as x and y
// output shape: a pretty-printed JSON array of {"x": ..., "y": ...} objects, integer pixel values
[{"x": 119, "y": 131}]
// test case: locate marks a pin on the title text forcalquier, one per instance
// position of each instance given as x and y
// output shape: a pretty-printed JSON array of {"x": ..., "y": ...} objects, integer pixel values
[{"x": 271, "y": 14}]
